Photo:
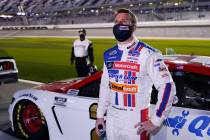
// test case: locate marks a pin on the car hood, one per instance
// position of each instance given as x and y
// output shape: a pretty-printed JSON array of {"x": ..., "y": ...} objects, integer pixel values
[
  {"x": 59, "y": 86},
  {"x": 65, "y": 85}
]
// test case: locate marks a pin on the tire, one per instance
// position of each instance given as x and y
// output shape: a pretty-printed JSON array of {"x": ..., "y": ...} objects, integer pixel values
[{"x": 29, "y": 122}]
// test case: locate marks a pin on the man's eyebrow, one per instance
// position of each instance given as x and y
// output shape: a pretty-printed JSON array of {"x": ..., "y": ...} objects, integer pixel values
[{"x": 122, "y": 20}]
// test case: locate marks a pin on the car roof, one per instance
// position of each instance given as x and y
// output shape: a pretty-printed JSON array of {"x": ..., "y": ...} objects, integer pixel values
[{"x": 188, "y": 63}]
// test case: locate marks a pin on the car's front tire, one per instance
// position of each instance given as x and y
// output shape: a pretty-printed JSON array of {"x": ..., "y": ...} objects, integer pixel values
[{"x": 29, "y": 122}]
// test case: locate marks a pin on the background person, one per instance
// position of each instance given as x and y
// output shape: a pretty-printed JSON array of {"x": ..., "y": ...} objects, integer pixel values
[
  {"x": 82, "y": 54},
  {"x": 131, "y": 68}
]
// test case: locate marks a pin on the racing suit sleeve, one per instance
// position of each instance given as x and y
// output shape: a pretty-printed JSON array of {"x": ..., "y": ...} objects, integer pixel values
[
  {"x": 163, "y": 82},
  {"x": 104, "y": 94}
]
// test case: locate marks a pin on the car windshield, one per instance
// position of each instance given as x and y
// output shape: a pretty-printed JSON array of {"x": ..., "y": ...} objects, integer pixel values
[
  {"x": 192, "y": 90},
  {"x": 196, "y": 91},
  {"x": 91, "y": 89}
]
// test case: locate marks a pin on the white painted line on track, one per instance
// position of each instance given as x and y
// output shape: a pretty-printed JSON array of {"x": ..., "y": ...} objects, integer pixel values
[
  {"x": 30, "y": 82},
  {"x": 4, "y": 136}
]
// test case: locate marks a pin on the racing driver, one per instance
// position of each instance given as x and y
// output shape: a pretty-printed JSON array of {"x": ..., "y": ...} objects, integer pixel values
[{"x": 130, "y": 70}]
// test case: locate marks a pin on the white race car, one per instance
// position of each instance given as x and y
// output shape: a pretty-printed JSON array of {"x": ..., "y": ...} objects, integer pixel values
[
  {"x": 66, "y": 110},
  {"x": 8, "y": 70}
]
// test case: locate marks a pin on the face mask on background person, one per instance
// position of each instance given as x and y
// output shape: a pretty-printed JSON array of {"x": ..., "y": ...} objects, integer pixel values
[
  {"x": 122, "y": 32},
  {"x": 82, "y": 37}
]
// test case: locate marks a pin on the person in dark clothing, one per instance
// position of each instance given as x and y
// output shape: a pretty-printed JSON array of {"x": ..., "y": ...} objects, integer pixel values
[{"x": 82, "y": 54}]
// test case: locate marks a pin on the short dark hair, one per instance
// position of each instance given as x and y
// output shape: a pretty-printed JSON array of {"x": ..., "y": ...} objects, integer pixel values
[{"x": 131, "y": 14}]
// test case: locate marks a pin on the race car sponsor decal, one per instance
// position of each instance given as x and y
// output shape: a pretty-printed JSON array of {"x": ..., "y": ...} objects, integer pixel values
[
  {"x": 126, "y": 66},
  {"x": 177, "y": 122},
  {"x": 199, "y": 126},
  {"x": 73, "y": 92},
  {"x": 179, "y": 67},
  {"x": 29, "y": 95},
  {"x": 124, "y": 88},
  {"x": 60, "y": 101}
]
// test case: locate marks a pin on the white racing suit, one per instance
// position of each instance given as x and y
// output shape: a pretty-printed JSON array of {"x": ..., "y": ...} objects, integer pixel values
[{"x": 128, "y": 76}]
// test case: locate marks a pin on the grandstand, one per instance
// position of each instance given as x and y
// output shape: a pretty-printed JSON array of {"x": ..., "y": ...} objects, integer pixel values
[{"x": 47, "y": 12}]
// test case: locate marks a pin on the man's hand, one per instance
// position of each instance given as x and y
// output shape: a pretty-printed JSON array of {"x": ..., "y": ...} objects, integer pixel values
[
  {"x": 147, "y": 126},
  {"x": 99, "y": 121}
]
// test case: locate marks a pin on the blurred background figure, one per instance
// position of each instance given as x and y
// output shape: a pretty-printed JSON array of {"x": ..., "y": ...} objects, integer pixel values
[{"x": 82, "y": 54}]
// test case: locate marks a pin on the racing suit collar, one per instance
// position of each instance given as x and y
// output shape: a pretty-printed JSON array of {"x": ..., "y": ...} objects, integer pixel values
[{"x": 128, "y": 45}]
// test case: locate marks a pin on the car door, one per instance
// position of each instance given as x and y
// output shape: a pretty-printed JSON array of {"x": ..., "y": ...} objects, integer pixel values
[
  {"x": 190, "y": 117},
  {"x": 77, "y": 116}
]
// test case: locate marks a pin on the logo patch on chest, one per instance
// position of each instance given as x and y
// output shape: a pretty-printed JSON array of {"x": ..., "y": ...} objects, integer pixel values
[
  {"x": 128, "y": 66},
  {"x": 123, "y": 88}
]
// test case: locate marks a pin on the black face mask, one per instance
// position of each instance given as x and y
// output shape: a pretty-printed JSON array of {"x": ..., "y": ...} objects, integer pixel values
[
  {"x": 82, "y": 37},
  {"x": 122, "y": 32}
]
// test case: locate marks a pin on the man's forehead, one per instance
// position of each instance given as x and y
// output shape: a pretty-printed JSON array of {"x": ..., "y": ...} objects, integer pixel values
[{"x": 122, "y": 15}]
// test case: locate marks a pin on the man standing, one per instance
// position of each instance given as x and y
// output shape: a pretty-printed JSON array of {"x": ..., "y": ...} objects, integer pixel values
[
  {"x": 131, "y": 68},
  {"x": 82, "y": 53}
]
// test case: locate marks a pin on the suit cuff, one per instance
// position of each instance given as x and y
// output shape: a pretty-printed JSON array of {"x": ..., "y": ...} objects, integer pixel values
[
  {"x": 100, "y": 113},
  {"x": 157, "y": 121}
]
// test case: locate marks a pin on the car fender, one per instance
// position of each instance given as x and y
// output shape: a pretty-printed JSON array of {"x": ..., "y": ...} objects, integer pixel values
[{"x": 44, "y": 101}]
